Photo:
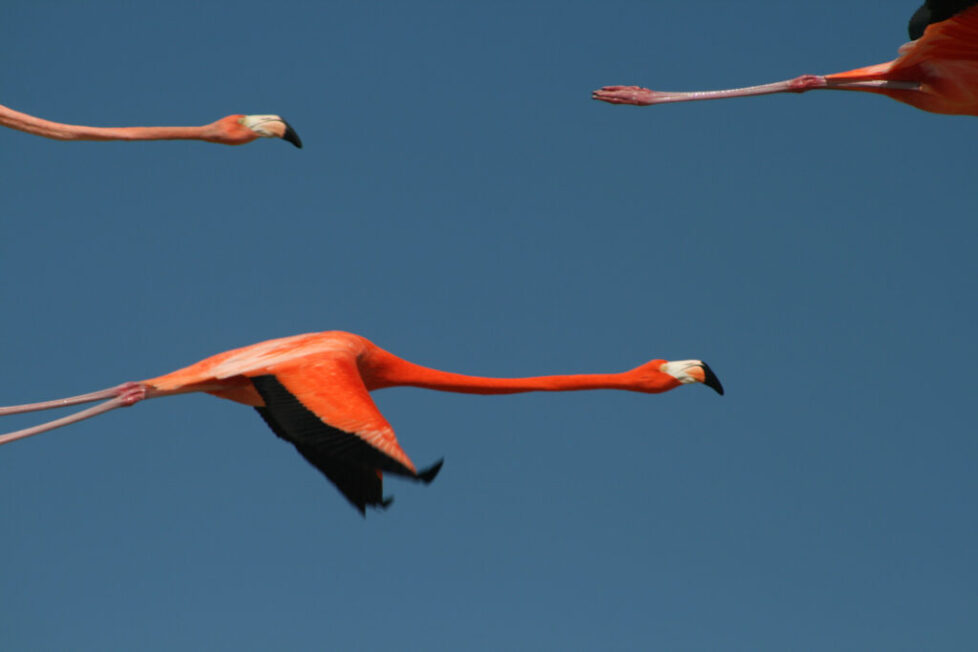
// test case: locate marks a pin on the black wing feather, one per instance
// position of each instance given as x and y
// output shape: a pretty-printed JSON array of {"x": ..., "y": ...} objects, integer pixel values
[
  {"x": 935, "y": 11},
  {"x": 361, "y": 486},
  {"x": 301, "y": 426},
  {"x": 347, "y": 461}
]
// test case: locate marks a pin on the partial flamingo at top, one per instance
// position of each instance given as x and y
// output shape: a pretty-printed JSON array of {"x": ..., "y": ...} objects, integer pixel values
[
  {"x": 313, "y": 391},
  {"x": 937, "y": 71},
  {"x": 235, "y": 129}
]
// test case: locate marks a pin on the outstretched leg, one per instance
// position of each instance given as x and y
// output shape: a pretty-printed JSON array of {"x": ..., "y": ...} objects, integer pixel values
[
  {"x": 91, "y": 397},
  {"x": 644, "y": 97},
  {"x": 121, "y": 396}
]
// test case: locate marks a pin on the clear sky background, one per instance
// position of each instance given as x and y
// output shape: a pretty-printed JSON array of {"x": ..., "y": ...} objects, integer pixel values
[{"x": 463, "y": 203}]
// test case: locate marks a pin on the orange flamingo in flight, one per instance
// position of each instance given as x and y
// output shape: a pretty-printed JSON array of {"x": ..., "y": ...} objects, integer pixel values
[
  {"x": 313, "y": 391},
  {"x": 231, "y": 130},
  {"x": 937, "y": 71}
]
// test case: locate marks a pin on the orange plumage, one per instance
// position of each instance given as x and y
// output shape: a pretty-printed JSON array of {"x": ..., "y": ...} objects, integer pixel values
[{"x": 313, "y": 391}]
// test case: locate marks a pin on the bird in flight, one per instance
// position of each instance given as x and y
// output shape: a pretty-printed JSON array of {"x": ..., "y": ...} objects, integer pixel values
[
  {"x": 230, "y": 130},
  {"x": 313, "y": 391},
  {"x": 937, "y": 71}
]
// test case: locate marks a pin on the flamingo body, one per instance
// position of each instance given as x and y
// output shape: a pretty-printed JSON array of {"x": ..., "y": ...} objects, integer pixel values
[
  {"x": 937, "y": 72},
  {"x": 313, "y": 390},
  {"x": 322, "y": 371},
  {"x": 943, "y": 62}
]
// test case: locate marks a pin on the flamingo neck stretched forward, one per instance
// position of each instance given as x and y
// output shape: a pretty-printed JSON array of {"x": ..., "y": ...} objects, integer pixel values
[
  {"x": 59, "y": 131},
  {"x": 383, "y": 369}
]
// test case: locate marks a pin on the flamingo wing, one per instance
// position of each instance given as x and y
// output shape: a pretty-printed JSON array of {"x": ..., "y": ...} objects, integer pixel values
[
  {"x": 361, "y": 486},
  {"x": 934, "y": 11},
  {"x": 323, "y": 408},
  {"x": 942, "y": 64},
  {"x": 950, "y": 40}
]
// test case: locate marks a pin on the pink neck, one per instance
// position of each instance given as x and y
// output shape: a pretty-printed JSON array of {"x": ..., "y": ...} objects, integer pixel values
[
  {"x": 58, "y": 131},
  {"x": 387, "y": 370}
]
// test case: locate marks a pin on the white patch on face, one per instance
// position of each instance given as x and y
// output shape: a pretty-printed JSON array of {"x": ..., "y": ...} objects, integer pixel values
[
  {"x": 679, "y": 369},
  {"x": 266, "y": 126}
]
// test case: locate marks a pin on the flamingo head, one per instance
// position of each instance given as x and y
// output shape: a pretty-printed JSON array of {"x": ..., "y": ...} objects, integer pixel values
[
  {"x": 692, "y": 371},
  {"x": 240, "y": 129},
  {"x": 662, "y": 375}
]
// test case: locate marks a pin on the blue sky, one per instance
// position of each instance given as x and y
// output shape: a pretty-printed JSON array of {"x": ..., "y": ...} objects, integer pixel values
[{"x": 464, "y": 204}]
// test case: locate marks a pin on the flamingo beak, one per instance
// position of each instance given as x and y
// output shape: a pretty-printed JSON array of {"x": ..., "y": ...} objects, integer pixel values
[
  {"x": 291, "y": 136},
  {"x": 710, "y": 379},
  {"x": 271, "y": 126}
]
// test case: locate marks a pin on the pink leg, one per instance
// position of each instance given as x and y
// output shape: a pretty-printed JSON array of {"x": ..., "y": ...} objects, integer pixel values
[
  {"x": 645, "y": 97},
  {"x": 122, "y": 396},
  {"x": 100, "y": 395}
]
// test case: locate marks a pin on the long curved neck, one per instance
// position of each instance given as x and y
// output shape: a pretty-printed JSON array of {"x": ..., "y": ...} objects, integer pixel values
[
  {"x": 59, "y": 131},
  {"x": 384, "y": 369}
]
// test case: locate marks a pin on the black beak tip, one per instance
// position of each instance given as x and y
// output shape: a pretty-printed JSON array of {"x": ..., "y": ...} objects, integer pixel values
[
  {"x": 710, "y": 380},
  {"x": 291, "y": 136}
]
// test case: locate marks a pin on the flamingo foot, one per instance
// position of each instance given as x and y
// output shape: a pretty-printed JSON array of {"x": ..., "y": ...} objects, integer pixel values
[{"x": 625, "y": 95}]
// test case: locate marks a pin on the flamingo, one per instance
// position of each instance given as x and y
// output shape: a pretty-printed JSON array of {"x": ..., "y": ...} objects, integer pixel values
[
  {"x": 936, "y": 72},
  {"x": 313, "y": 391},
  {"x": 230, "y": 130}
]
